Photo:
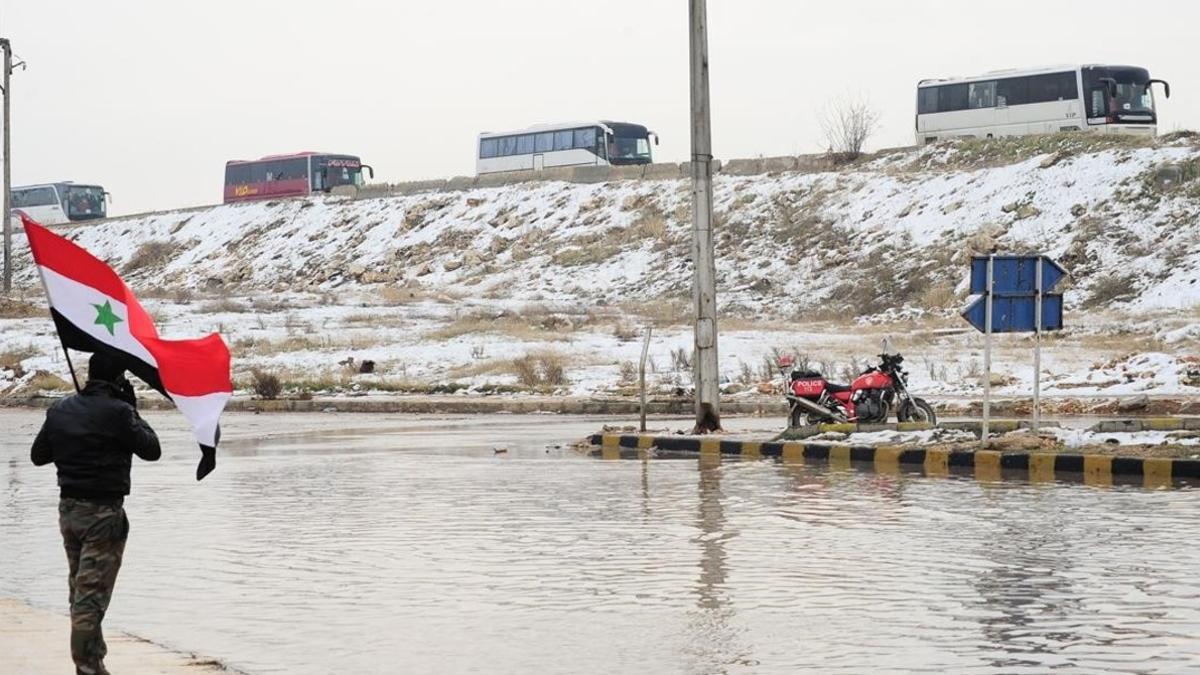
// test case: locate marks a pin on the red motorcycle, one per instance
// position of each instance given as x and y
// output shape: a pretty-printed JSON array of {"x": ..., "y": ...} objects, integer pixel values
[{"x": 870, "y": 399}]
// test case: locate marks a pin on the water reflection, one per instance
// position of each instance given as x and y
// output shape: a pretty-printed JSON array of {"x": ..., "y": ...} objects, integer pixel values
[{"x": 715, "y": 643}]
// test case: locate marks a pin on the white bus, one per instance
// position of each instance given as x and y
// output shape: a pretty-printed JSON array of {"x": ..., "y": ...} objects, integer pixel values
[
  {"x": 553, "y": 145},
  {"x": 1107, "y": 99},
  {"x": 56, "y": 203}
]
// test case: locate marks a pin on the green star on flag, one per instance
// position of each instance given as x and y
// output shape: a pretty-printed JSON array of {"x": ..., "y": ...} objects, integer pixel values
[{"x": 105, "y": 316}]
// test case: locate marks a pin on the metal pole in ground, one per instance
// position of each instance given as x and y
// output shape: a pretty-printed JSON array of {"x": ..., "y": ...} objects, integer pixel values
[
  {"x": 1037, "y": 348},
  {"x": 642, "y": 374},
  {"x": 704, "y": 287},
  {"x": 6, "y": 46},
  {"x": 987, "y": 351}
]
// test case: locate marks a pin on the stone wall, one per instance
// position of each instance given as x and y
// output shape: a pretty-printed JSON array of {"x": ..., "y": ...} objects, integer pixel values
[{"x": 604, "y": 174}]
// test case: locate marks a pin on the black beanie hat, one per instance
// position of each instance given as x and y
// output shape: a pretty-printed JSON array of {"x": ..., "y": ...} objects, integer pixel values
[{"x": 103, "y": 367}]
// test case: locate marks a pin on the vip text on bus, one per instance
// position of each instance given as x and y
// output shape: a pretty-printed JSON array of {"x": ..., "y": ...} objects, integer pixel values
[
  {"x": 1101, "y": 98},
  {"x": 57, "y": 203},
  {"x": 554, "y": 145},
  {"x": 297, "y": 175}
]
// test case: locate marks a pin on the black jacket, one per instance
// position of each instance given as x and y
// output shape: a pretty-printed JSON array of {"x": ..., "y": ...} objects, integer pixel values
[{"x": 91, "y": 437}]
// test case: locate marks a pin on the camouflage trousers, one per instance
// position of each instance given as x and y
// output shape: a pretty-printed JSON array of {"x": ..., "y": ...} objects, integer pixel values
[{"x": 94, "y": 536}]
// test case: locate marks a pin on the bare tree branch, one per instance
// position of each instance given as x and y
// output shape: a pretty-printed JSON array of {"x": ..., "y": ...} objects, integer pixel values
[{"x": 847, "y": 123}]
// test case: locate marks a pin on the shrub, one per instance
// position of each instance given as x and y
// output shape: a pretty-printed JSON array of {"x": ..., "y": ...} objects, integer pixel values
[
  {"x": 150, "y": 254},
  {"x": 1110, "y": 289},
  {"x": 11, "y": 308},
  {"x": 629, "y": 371},
  {"x": 545, "y": 369},
  {"x": 266, "y": 385},
  {"x": 11, "y": 359}
]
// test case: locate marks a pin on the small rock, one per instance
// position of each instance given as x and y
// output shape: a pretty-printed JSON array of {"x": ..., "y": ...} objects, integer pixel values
[
  {"x": 1139, "y": 402},
  {"x": 1009, "y": 208},
  {"x": 1028, "y": 211},
  {"x": 1190, "y": 408},
  {"x": 1052, "y": 160},
  {"x": 451, "y": 265},
  {"x": 1078, "y": 210},
  {"x": 1168, "y": 175}
]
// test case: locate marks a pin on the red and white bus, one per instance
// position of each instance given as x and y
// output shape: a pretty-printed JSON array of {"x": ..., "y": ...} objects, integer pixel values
[{"x": 298, "y": 175}]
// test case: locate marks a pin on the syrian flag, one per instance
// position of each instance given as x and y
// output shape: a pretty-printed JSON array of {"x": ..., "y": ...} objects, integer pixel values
[{"x": 95, "y": 311}]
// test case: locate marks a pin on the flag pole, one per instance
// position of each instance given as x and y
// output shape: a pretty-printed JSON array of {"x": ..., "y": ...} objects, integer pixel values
[
  {"x": 66, "y": 352},
  {"x": 70, "y": 366}
]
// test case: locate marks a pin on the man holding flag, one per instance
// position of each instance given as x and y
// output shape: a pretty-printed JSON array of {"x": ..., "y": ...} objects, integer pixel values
[{"x": 92, "y": 436}]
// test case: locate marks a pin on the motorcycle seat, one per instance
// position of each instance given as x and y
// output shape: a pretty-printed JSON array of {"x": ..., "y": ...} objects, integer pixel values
[{"x": 837, "y": 388}]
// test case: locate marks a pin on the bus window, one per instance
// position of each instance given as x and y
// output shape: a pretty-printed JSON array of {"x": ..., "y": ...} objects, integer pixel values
[
  {"x": 983, "y": 95},
  {"x": 82, "y": 203},
  {"x": 24, "y": 199}
]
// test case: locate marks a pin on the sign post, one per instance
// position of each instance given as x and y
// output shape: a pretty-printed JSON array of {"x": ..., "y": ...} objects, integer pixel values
[
  {"x": 1013, "y": 298},
  {"x": 987, "y": 349},
  {"x": 1037, "y": 352}
]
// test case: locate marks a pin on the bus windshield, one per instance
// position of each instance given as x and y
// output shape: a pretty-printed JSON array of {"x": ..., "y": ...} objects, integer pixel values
[
  {"x": 628, "y": 148},
  {"x": 83, "y": 202},
  {"x": 341, "y": 171},
  {"x": 1133, "y": 94}
]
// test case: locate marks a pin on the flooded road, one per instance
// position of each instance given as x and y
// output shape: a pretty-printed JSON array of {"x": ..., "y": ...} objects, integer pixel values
[{"x": 384, "y": 544}]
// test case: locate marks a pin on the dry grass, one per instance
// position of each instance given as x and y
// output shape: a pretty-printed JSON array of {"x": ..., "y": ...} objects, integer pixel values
[
  {"x": 512, "y": 325},
  {"x": 223, "y": 306},
  {"x": 661, "y": 313},
  {"x": 375, "y": 320},
  {"x": 12, "y": 308},
  {"x": 265, "y": 385},
  {"x": 43, "y": 381},
  {"x": 541, "y": 369},
  {"x": 250, "y": 346},
  {"x": 150, "y": 254},
  {"x": 11, "y": 359},
  {"x": 1110, "y": 289}
]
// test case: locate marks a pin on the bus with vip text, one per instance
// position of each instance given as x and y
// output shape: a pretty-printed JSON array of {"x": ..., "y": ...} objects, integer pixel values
[
  {"x": 58, "y": 203},
  {"x": 1098, "y": 98},
  {"x": 296, "y": 175},
  {"x": 571, "y": 144}
]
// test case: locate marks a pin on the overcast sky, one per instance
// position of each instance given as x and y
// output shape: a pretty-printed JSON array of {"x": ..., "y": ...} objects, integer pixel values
[{"x": 151, "y": 97}]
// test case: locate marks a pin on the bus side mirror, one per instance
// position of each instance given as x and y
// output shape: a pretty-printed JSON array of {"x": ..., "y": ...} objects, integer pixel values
[
  {"x": 370, "y": 171},
  {"x": 1166, "y": 86}
]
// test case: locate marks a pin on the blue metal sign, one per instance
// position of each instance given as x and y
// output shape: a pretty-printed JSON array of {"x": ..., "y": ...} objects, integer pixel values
[
  {"x": 1016, "y": 314},
  {"x": 1014, "y": 275},
  {"x": 1014, "y": 293}
]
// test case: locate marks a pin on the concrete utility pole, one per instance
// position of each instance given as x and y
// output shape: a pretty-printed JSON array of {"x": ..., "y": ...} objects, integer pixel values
[
  {"x": 704, "y": 286},
  {"x": 6, "y": 46}
]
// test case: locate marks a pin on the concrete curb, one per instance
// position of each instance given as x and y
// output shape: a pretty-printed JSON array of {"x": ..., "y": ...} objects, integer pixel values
[
  {"x": 974, "y": 427},
  {"x": 984, "y": 465},
  {"x": 1147, "y": 424}
]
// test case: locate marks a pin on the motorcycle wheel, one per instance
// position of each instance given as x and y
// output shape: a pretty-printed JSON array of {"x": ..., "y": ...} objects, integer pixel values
[
  {"x": 917, "y": 410},
  {"x": 796, "y": 418},
  {"x": 882, "y": 417}
]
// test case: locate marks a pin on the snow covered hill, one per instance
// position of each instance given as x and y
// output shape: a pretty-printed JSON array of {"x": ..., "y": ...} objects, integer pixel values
[
  {"x": 891, "y": 234},
  {"x": 882, "y": 240}
]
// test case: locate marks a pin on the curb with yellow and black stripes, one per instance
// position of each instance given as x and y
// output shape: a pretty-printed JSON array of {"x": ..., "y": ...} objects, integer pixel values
[{"x": 982, "y": 464}]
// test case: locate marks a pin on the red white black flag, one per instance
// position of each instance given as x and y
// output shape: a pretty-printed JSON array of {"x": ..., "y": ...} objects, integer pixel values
[{"x": 95, "y": 311}]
